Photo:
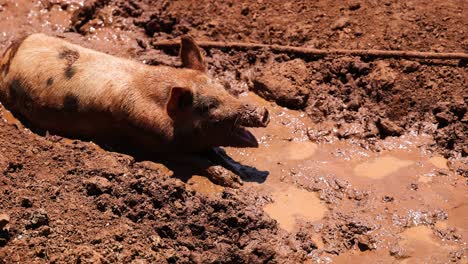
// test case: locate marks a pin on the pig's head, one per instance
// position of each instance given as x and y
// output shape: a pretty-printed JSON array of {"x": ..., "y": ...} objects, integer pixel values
[{"x": 204, "y": 114}]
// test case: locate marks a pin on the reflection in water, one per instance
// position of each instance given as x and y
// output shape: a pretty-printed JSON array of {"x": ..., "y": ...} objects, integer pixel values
[
  {"x": 381, "y": 167},
  {"x": 420, "y": 245},
  {"x": 295, "y": 203},
  {"x": 439, "y": 162},
  {"x": 299, "y": 150},
  {"x": 418, "y": 234}
]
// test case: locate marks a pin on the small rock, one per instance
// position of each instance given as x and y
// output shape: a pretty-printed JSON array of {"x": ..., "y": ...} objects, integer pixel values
[
  {"x": 341, "y": 23},
  {"x": 354, "y": 103},
  {"x": 45, "y": 231},
  {"x": 383, "y": 76},
  {"x": 365, "y": 243},
  {"x": 37, "y": 219},
  {"x": 359, "y": 67},
  {"x": 410, "y": 66},
  {"x": 160, "y": 25},
  {"x": 444, "y": 119},
  {"x": 398, "y": 252},
  {"x": 342, "y": 184},
  {"x": 414, "y": 186},
  {"x": 4, "y": 221},
  {"x": 284, "y": 83},
  {"x": 371, "y": 129},
  {"x": 431, "y": 85},
  {"x": 97, "y": 185},
  {"x": 26, "y": 203},
  {"x": 388, "y": 199},
  {"x": 102, "y": 202},
  {"x": 86, "y": 254},
  {"x": 245, "y": 10},
  {"x": 354, "y": 6},
  {"x": 358, "y": 32},
  {"x": 389, "y": 128}
]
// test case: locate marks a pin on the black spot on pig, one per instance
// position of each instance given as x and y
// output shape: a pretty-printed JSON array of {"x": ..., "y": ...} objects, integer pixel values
[
  {"x": 11, "y": 50},
  {"x": 70, "y": 56},
  {"x": 50, "y": 81},
  {"x": 19, "y": 95},
  {"x": 17, "y": 90},
  {"x": 70, "y": 72},
  {"x": 70, "y": 103}
]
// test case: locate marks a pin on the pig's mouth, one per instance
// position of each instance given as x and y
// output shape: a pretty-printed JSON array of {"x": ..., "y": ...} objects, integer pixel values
[{"x": 242, "y": 138}]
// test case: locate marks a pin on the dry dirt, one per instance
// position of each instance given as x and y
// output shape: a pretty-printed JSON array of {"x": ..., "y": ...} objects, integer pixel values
[{"x": 365, "y": 159}]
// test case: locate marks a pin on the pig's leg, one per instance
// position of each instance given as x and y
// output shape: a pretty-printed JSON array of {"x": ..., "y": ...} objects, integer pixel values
[
  {"x": 215, "y": 172},
  {"x": 222, "y": 176},
  {"x": 219, "y": 156}
]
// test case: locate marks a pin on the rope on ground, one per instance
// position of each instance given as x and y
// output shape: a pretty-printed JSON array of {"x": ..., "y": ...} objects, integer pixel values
[{"x": 320, "y": 52}]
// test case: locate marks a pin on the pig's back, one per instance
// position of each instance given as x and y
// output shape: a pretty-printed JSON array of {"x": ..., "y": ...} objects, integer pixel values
[
  {"x": 67, "y": 89},
  {"x": 55, "y": 69}
]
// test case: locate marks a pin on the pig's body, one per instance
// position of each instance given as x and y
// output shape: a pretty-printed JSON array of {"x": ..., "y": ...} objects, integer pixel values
[{"x": 73, "y": 91}]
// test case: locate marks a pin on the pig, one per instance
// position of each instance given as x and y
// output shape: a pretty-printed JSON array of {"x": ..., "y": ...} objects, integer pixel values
[{"x": 68, "y": 90}]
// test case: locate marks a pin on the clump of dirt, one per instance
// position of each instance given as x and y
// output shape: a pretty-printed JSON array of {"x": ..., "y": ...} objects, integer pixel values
[
  {"x": 388, "y": 98},
  {"x": 284, "y": 83}
]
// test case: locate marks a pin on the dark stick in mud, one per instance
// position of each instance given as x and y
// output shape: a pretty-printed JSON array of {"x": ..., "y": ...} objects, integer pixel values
[{"x": 321, "y": 52}]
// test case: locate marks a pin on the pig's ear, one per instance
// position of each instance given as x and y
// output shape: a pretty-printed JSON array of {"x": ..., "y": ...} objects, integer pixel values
[
  {"x": 180, "y": 100},
  {"x": 191, "y": 55}
]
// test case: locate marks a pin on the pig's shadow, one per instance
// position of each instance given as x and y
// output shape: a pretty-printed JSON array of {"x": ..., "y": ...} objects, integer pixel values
[
  {"x": 184, "y": 167},
  {"x": 247, "y": 173}
]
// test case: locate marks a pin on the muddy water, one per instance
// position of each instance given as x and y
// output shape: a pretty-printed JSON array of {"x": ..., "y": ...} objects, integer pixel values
[
  {"x": 419, "y": 182},
  {"x": 381, "y": 167},
  {"x": 421, "y": 245},
  {"x": 293, "y": 203}
]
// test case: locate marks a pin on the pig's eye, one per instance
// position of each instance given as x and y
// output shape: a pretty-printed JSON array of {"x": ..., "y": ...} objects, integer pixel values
[{"x": 208, "y": 104}]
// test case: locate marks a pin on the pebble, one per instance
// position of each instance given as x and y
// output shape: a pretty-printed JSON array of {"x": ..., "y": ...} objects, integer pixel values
[
  {"x": 341, "y": 23},
  {"x": 4, "y": 221}
]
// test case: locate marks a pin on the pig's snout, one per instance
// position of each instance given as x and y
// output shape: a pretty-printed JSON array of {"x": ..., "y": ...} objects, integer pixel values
[{"x": 252, "y": 116}]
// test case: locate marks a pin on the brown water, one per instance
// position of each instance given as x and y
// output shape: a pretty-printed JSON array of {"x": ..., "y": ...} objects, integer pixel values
[
  {"x": 403, "y": 171},
  {"x": 381, "y": 167},
  {"x": 294, "y": 203}
]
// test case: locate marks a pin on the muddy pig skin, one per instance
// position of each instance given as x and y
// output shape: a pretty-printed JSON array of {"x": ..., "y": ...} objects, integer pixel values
[{"x": 72, "y": 91}]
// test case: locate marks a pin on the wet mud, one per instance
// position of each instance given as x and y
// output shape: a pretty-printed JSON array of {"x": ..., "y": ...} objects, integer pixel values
[{"x": 364, "y": 159}]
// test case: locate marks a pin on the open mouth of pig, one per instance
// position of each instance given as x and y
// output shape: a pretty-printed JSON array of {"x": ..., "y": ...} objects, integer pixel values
[{"x": 240, "y": 136}]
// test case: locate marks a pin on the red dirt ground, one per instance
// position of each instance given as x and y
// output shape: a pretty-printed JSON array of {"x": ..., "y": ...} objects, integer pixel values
[{"x": 69, "y": 201}]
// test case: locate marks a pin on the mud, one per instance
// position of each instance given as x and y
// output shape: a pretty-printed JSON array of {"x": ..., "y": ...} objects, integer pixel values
[{"x": 371, "y": 165}]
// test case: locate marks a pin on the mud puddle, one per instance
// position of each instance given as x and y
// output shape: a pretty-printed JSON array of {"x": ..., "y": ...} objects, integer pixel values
[
  {"x": 421, "y": 245},
  {"x": 381, "y": 167},
  {"x": 294, "y": 203},
  {"x": 287, "y": 165}
]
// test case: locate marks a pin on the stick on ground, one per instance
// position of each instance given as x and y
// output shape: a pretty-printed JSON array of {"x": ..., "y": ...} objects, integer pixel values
[{"x": 320, "y": 52}]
